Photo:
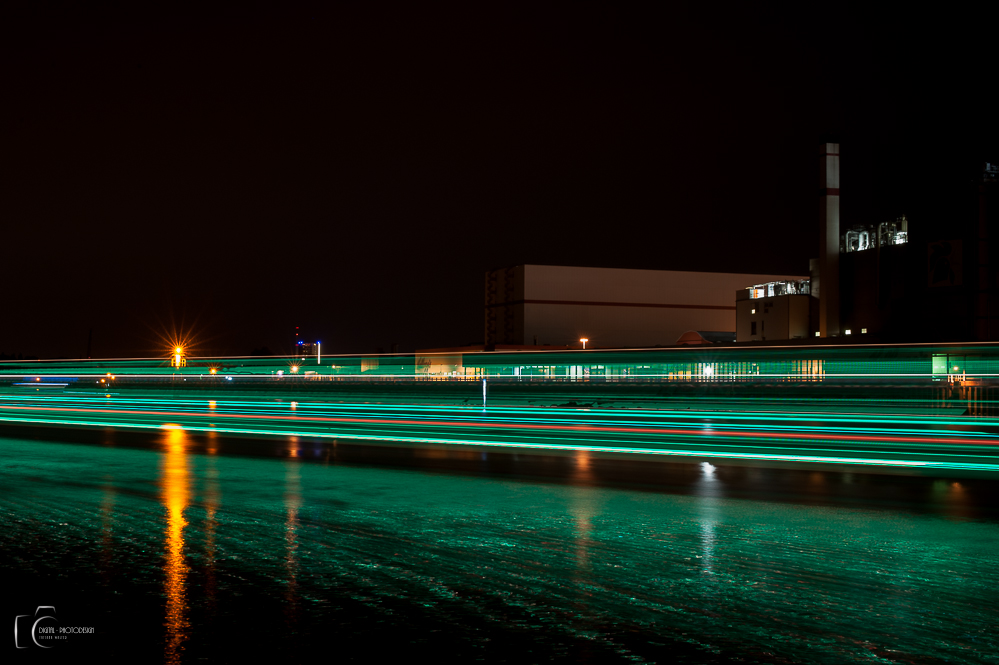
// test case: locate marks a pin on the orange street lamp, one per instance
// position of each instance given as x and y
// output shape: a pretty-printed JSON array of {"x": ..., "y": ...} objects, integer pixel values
[
  {"x": 178, "y": 357},
  {"x": 584, "y": 341}
]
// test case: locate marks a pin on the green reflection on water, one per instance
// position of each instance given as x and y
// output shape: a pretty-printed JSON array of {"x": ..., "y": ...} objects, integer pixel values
[{"x": 805, "y": 583}]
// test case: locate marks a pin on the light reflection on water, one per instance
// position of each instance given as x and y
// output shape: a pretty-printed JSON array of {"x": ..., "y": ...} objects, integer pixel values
[
  {"x": 583, "y": 505},
  {"x": 292, "y": 503},
  {"x": 108, "y": 495},
  {"x": 708, "y": 490},
  {"x": 176, "y": 496},
  {"x": 212, "y": 500}
]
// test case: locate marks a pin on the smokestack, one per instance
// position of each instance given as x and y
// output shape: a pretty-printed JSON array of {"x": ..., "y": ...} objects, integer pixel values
[
  {"x": 983, "y": 311},
  {"x": 829, "y": 240}
]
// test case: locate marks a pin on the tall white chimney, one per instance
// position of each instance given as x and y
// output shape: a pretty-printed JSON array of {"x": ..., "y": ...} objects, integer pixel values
[{"x": 829, "y": 240}]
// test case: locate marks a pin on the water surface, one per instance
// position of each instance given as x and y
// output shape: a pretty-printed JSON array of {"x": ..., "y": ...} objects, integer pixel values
[{"x": 179, "y": 548}]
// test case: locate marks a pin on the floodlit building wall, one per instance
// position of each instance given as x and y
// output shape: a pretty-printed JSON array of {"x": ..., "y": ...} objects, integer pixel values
[
  {"x": 612, "y": 308},
  {"x": 618, "y": 326}
]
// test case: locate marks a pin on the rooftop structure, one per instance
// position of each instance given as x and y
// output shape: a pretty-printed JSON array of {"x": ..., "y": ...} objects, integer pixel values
[
  {"x": 863, "y": 237},
  {"x": 780, "y": 288}
]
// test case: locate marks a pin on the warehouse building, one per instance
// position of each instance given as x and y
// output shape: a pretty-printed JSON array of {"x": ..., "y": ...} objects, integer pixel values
[{"x": 536, "y": 306}]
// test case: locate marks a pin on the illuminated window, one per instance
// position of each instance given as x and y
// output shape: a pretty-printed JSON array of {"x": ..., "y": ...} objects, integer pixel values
[
  {"x": 752, "y": 311},
  {"x": 863, "y": 331},
  {"x": 847, "y": 331},
  {"x": 816, "y": 333}
]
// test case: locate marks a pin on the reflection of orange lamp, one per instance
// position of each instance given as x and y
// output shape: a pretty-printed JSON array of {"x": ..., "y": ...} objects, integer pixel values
[
  {"x": 176, "y": 495},
  {"x": 584, "y": 341}
]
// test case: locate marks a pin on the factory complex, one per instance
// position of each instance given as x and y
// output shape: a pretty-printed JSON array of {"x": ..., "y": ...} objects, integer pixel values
[{"x": 880, "y": 282}]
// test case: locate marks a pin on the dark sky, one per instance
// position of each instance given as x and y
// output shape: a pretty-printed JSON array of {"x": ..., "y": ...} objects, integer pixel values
[{"x": 355, "y": 170}]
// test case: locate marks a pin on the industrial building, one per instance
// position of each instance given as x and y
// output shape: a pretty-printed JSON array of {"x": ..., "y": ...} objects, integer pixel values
[
  {"x": 802, "y": 309},
  {"x": 776, "y": 311},
  {"x": 537, "y": 306},
  {"x": 940, "y": 284},
  {"x": 896, "y": 280},
  {"x": 892, "y": 281}
]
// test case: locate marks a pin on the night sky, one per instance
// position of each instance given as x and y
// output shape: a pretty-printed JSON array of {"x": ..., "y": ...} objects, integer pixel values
[{"x": 354, "y": 170}]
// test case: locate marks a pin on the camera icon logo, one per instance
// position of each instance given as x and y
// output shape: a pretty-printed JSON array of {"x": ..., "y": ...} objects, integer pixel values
[{"x": 44, "y": 626}]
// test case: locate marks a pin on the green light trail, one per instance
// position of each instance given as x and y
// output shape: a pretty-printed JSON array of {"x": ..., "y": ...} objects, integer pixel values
[
  {"x": 710, "y": 365},
  {"x": 896, "y": 441},
  {"x": 907, "y": 406},
  {"x": 820, "y": 459}
]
